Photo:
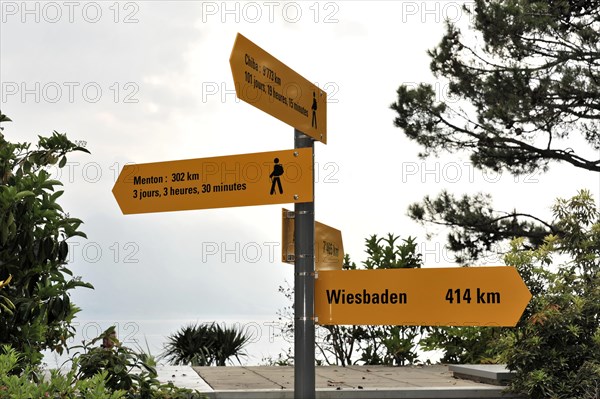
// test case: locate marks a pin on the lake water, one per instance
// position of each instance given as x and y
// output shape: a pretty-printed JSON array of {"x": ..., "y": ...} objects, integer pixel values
[{"x": 266, "y": 338}]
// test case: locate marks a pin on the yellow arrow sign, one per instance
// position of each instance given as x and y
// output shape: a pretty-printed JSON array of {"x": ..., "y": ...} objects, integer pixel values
[
  {"x": 329, "y": 248},
  {"x": 458, "y": 296},
  {"x": 275, "y": 177},
  {"x": 270, "y": 85}
]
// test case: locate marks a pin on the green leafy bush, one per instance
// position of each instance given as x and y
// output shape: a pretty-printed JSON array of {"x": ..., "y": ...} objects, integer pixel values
[
  {"x": 97, "y": 373},
  {"x": 124, "y": 368},
  {"x": 205, "y": 345},
  {"x": 35, "y": 286},
  {"x": 35, "y": 302},
  {"x": 555, "y": 351},
  {"x": 17, "y": 384},
  {"x": 462, "y": 345}
]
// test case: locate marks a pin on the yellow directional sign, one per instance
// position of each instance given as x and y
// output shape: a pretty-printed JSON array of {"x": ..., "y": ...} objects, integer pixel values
[
  {"x": 329, "y": 248},
  {"x": 457, "y": 296},
  {"x": 270, "y": 85},
  {"x": 276, "y": 177}
]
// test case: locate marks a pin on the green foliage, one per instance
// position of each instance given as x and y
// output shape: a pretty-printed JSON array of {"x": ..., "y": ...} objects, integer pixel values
[
  {"x": 556, "y": 349},
  {"x": 92, "y": 376},
  {"x": 117, "y": 362},
  {"x": 476, "y": 227},
  {"x": 205, "y": 345},
  {"x": 4, "y": 118},
  {"x": 36, "y": 305},
  {"x": 6, "y": 305},
  {"x": 228, "y": 342},
  {"x": 529, "y": 76},
  {"x": 460, "y": 345},
  {"x": 15, "y": 384},
  {"x": 523, "y": 83},
  {"x": 125, "y": 369},
  {"x": 385, "y": 253},
  {"x": 189, "y": 345}
]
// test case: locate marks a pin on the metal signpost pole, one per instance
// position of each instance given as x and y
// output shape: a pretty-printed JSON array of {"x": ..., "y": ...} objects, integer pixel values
[{"x": 304, "y": 287}]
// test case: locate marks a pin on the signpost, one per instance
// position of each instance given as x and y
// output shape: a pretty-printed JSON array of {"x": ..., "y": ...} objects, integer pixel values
[
  {"x": 454, "y": 296},
  {"x": 275, "y": 177},
  {"x": 270, "y": 85},
  {"x": 329, "y": 248},
  {"x": 476, "y": 296},
  {"x": 304, "y": 290}
]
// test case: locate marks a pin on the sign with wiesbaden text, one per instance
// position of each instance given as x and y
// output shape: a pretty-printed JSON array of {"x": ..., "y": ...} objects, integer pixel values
[{"x": 453, "y": 296}]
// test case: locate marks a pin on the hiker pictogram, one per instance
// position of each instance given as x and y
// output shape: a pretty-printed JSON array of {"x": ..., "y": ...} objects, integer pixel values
[
  {"x": 277, "y": 172},
  {"x": 314, "y": 111}
]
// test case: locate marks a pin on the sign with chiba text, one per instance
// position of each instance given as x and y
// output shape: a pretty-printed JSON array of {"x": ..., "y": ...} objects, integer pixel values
[{"x": 271, "y": 86}]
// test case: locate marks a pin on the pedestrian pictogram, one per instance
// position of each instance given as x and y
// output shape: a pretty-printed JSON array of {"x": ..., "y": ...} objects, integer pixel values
[
  {"x": 275, "y": 176},
  {"x": 314, "y": 111}
]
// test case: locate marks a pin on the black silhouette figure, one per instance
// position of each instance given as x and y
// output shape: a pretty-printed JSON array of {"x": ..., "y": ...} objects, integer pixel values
[
  {"x": 277, "y": 171},
  {"x": 314, "y": 111}
]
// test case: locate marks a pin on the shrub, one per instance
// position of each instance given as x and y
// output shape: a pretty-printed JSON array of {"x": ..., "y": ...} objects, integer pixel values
[
  {"x": 205, "y": 345},
  {"x": 556, "y": 349}
]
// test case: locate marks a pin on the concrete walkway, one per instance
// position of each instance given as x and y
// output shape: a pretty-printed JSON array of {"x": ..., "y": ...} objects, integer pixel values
[{"x": 332, "y": 382}]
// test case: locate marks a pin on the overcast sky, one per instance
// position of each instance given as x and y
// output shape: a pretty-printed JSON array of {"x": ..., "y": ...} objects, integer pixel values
[{"x": 150, "y": 81}]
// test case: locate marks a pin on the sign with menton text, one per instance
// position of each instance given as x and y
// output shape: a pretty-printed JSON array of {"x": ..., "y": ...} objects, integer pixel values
[{"x": 275, "y": 177}]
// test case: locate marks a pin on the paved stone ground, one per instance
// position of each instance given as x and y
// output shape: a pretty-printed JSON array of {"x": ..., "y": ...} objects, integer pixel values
[
  {"x": 332, "y": 382},
  {"x": 183, "y": 377},
  {"x": 360, "y": 382},
  {"x": 351, "y": 377}
]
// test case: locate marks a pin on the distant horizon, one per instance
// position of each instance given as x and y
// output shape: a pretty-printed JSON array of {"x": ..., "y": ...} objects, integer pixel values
[{"x": 135, "y": 333}]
